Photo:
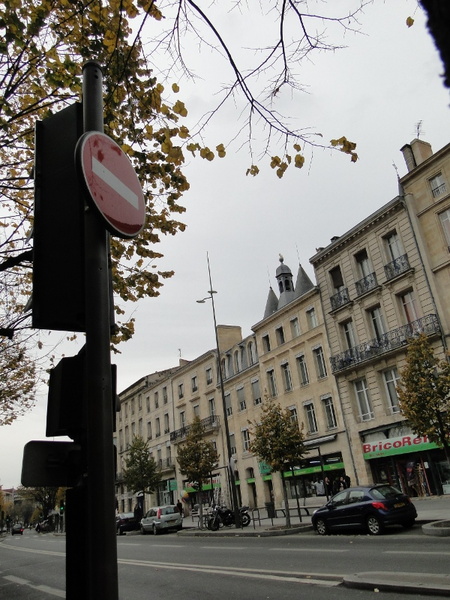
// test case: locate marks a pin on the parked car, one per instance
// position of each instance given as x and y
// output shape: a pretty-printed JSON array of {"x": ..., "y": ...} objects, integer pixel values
[
  {"x": 17, "y": 528},
  {"x": 371, "y": 508},
  {"x": 162, "y": 518},
  {"x": 126, "y": 522}
]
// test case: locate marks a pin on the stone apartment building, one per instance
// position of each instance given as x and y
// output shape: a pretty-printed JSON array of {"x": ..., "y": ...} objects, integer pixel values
[
  {"x": 330, "y": 352},
  {"x": 378, "y": 290}
]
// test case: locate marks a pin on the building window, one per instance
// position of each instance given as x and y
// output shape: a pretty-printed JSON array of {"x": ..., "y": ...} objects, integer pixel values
[
  {"x": 311, "y": 317},
  {"x": 140, "y": 428},
  {"x": 182, "y": 416},
  {"x": 444, "y": 218},
  {"x": 272, "y": 383},
  {"x": 337, "y": 279},
  {"x": 209, "y": 376},
  {"x": 256, "y": 392},
  {"x": 180, "y": 390},
  {"x": 241, "y": 399},
  {"x": 408, "y": 302},
  {"x": 363, "y": 262},
  {"x": 147, "y": 403},
  {"x": 252, "y": 356},
  {"x": 310, "y": 417},
  {"x": 348, "y": 333},
  {"x": 302, "y": 370},
  {"x": 166, "y": 423},
  {"x": 437, "y": 185},
  {"x": 294, "y": 415},
  {"x": 280, "y": 335},
  {"x": 212, "y": 407},
  {"x": 320, "y": 362},
  {"x": 140, "y": 402},
  {"x": 266, "y": 343},
  {"x": 164, "y": 393},
  {"x": 228, "y": 407},
  {"x": 157, "y": 427},
  {"x": 246, "y": 440},
  {"x": 362, "y": 397},
  {"x": 149, "y": 430},
  {"x": 295, "y": 327},
  {"x": 133, "y": 430},
  {"x": 156, "y": 397},
  {"x": 237, "y": 362},
  {"x": 330, "y": 415},
  {"x": 194, "y": 383},
  {"x": 287, "y": 379},
  {"x": 232, "y": 443},
  {"x": 393, "y": 246},
  {"x": 132, "y": 407},
  {"x": 377, "y": 322},
  {"x": 196, "y": 409},
  {"x": 391, "y": 379}
]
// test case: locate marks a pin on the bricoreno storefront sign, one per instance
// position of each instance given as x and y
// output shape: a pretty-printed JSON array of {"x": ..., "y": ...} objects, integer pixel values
[{"x": 398, "y": 445}]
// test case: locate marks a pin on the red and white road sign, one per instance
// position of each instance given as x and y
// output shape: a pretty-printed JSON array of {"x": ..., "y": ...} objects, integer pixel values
[{"x": 112, "y": 183}]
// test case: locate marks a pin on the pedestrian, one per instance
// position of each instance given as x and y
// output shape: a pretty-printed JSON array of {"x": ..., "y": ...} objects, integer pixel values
[
  {"x": 336, "y": 485},
  {"x": 347, "y": 480},
  {"x": 328, "y": 486},
  {"x": 180, "y": 507}
]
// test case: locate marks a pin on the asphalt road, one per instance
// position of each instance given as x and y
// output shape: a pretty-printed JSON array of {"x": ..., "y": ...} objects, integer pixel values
[{"x": 172, "y": 567}]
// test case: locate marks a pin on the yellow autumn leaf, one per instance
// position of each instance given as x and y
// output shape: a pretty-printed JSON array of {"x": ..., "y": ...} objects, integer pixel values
[{"x": 409, "y": 22}]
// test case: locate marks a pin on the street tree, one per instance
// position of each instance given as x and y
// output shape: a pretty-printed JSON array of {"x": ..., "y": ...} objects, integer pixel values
[
  {"x": 43, "y": 497},
  {"x": 278, "y": 441},
  {"x": 424, "y": 393},
  {"x": 141, "y": 473},
  {"x": 197, "y": 457}
]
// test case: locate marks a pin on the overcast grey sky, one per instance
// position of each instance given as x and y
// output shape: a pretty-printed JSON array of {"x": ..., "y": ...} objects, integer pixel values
[{"x": 374, "y": 92}]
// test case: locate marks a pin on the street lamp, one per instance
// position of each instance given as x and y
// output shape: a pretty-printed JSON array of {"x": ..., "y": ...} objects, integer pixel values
[{"x": 230, "y": 461}]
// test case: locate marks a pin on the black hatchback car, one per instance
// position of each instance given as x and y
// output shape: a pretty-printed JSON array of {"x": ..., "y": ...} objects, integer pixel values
[
  {"x": 371, "y": 508},
  {"x": 126, "y": 522}
]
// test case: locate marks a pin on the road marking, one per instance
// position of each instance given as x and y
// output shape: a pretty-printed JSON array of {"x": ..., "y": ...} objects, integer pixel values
[
  {"x": 321, "y": 550},
  {"x": 224, "y": 548},
  {"x": 42, "y": 588},
  {"x": 114, "y": 182},
  {"x": 421, "y": 552},
  {"x": 323, "y": 579}
]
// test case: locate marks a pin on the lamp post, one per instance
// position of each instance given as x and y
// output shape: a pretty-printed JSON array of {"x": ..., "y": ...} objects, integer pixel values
[{"x": 234, "y": 500}]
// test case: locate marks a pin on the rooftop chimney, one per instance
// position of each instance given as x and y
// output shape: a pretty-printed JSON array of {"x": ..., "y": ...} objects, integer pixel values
[{"x": 416, "y": 153}]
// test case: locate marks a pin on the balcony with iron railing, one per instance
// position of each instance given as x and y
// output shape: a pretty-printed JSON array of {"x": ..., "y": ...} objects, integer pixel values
[
  {"x": 397, "y": 267},
  {"x": 366, "y": 284},
  {"x": 166, "y": 464},
  {"x": 385, "y": 343},
  {"x": 209, "y": 424},
  {"x": 340, "y": 299}
]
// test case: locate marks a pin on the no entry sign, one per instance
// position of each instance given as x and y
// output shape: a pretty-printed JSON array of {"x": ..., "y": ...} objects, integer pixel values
[{"x": 112, "y": 183}]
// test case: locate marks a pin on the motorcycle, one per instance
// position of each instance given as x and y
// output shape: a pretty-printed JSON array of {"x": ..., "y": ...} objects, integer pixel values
[{"x": 222, "y": 516}]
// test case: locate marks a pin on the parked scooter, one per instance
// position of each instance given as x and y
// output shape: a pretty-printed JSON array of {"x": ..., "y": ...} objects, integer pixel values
[{"x": 222, "y": 516}]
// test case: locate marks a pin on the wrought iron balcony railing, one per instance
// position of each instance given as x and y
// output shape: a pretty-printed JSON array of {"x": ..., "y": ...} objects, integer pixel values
[
  {"x": 340, "y": 299},
  {"x": 209, "y": 424},
  {"x": 165, "y": 464},
  {"x": 388, "y": 341},
  {"x": 397, "y": 267},
  {"x": 367, "y": 283}
]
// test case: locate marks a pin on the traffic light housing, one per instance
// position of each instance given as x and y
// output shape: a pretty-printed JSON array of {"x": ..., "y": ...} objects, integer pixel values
[{"x": 58, "y": 235}]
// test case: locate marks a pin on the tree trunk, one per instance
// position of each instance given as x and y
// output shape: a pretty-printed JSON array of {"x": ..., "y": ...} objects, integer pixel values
[
  {"x": 286, "y": 501},
  {"x": 296, "y": 496}
]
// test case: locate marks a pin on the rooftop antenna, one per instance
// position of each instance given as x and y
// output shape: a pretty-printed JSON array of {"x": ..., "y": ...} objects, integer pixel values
[{"x": 419, "y": 129}]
